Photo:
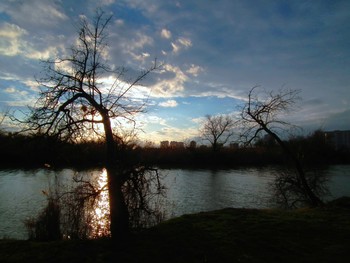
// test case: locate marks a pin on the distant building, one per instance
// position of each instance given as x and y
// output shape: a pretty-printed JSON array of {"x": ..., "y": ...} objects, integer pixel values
[
  {"x": 175, "y": 144},
  {"x": 193, "y": 144},
  {"x": 164, "y": 144},
  {"x": 180, "y": 145},
  {"x": 172, "y": 144},
  {"x": 338, "y": 139}
]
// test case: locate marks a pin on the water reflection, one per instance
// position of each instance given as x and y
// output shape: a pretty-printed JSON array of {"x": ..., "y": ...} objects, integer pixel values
[
  {"x": 188, "y": 191},
  {"x": 100, "y": 211}
]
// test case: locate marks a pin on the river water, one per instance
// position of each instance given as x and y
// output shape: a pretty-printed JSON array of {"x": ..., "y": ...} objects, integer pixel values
[{"x": 22, "y": 192}]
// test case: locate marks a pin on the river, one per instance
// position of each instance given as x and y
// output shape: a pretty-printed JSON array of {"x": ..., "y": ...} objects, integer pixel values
[{"x": 188, "y": 191}]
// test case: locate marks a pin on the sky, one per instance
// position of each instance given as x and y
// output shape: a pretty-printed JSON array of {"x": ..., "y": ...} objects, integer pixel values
[{"x": 213, "y": 53}]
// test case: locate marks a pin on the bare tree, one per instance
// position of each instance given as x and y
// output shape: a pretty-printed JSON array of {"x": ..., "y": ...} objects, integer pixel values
[
  {"x": 261, "y": 115},
  {"x": 74, "y": 101},
  {"x": 217, "y": 130},
  {"x": 3, "y": 116}
]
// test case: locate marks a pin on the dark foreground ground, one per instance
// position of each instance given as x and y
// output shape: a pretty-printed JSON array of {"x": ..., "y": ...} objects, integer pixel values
[{"x": 228, "y": 235}]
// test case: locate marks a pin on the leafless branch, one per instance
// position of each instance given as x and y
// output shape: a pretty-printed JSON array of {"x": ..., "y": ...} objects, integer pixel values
[
  {"x": 217, "y": 130},
  {"x": 260, "y": 114}
]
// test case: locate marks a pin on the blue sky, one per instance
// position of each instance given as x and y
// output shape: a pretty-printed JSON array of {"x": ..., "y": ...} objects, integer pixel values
[{"x": 213, "y": 52}]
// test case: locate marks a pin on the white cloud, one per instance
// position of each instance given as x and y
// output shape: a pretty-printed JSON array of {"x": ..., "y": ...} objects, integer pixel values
[
  {"x": 35, "y": 13},
  {"x": 140, "y": 41},
  {"x": 181, "y": 43},
  {"x": 170, "y": 133},
  {"x": 10, "y": 90},
  {"x": 172, "y": 86},
  {"x": 175, "y": 47},
  {"x": 13, "y": 43},
  {"x": 165, "y": 33},
  {"x": 158, "y": 129},
  {"x": 142, "y": 57},
  {"x": 168, "y": 103},
  {"x": 185, "y": 42},
  {"x": 19, "y": 98},
  {"x": 10, "y": 39},
  {"x": 119, "y": 22},
  {"x": 135, "y": 46},
  {"x": 21, "y": 103},
  {"x": 33, "y": 85},
  {"x": 156, "y": 120},
  {"x": 198, "y": 120},
  {"x": 11, "y": 31},
  {"x": 110, "y": 84},
  {"x": 45, "y": 54},
  {"x": 195, "y": 70},
  {"x": 13, "y": 90}
]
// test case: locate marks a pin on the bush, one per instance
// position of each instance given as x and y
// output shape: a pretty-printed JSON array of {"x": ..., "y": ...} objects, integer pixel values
[{"x": 46, "y": 227}]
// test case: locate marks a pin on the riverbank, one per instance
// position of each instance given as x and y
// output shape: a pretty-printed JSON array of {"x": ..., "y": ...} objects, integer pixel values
[{"x": 228, "y": 235}]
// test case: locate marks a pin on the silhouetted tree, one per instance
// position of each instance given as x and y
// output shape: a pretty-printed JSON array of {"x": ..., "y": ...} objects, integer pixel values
[
  {"x": 261, "y": 115},
  {"x": 3, "y": 116},
  {"x": 74, "y": 103},
  {"x": 217, "y": 130}
]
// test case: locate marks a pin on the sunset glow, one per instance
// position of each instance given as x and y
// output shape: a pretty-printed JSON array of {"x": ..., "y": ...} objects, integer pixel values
[{"x": 212, "y": 53}]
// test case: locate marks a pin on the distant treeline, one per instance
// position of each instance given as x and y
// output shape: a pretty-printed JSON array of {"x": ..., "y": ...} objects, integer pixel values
[{"x": 36, "y": 151}]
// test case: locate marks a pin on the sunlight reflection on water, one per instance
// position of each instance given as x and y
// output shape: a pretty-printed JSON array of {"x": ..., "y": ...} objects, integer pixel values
[{"x": 100, "y": 212}]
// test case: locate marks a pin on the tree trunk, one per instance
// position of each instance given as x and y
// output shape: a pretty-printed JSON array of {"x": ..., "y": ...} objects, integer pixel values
[
  {"x": 314, "y": 200},
  {"x": 119, "y": 216}
]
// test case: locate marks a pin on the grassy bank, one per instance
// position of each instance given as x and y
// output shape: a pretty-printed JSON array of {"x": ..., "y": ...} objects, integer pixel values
[{"x": 229, "y": 235}]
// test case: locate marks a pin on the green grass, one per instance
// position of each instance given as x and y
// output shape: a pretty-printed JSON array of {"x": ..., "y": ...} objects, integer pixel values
[{"x": 228, "y": 235}]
